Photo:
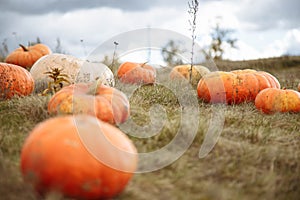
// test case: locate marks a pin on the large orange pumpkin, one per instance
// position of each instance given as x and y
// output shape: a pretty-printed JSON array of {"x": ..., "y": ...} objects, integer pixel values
[
  {"x": 14, "y": 80},
  {"x": 27, "y": 56},
  {"x": 272, "y": 100},
  {"x": 234, "y": 87},
  {"x": 104, "y": 102},
  {"x": 78, "y": 156},
  {"x": 136, "y": 73}
]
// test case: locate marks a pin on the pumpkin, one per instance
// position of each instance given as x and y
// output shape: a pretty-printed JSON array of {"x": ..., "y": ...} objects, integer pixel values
[
  {"x": 104, "y": 102},
  {"x": 27, "y": 56},
  {"x": 184, "y": 71},
  {"x": 271, "y": 79},
  {"x": 76, "y": 69},
  {"x": 79, "y": 157},
  {"x": 273, "y": 100},
  {"x": 14, "y": 80},
  {"x": 234, "y": 87},
  {"x": 136, "y": 73}
]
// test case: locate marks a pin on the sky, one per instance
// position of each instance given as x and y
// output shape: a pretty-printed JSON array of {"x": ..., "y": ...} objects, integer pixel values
[{"x": 264, "y": 28}]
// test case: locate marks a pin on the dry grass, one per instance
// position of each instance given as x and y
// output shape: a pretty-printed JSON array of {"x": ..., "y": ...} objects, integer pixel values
[{"x": 256, "y": 157}]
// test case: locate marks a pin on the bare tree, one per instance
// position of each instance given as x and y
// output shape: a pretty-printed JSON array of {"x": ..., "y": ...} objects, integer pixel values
[
  {"x": 58, "y": 47},
  {"x": 219, "y": 37},
  {"x": 4, "y": 50},
  {"x": 170, "y": 53},
  {"x": 38, "y": 41}
]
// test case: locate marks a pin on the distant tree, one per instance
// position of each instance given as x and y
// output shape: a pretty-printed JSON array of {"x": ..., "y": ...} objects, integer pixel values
[
  {"x": 38, "y": 41},
  {"x": 3, "y": 50},
  {"x": 170, "y": 53},
  {"x": 58, "y": 48},
  {"x": 219, "y": 37}
]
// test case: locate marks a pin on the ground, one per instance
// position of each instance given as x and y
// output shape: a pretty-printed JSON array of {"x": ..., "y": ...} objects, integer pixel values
[{"x": 257, "y": 156}]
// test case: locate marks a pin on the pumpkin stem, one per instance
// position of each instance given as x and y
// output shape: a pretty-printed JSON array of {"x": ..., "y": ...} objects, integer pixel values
[
  {"x": 94, "y": 86},
  {"x": 23, "y": 47},
  {"x": 142, "y": 65}
]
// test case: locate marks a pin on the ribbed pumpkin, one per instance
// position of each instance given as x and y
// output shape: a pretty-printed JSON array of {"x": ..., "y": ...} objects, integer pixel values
[
  {"x": 136, "y": 73},
  {"x": 76, "y": 69},
  {"x": 79, "y": 157},
  {"x": 234, "y": 87},
  {"x": 14, "y": 80},
  {"x": 27, "y": 56},
  {"x": 104, "y": 102},
  {"x": 273, "y": 100},
  {"x": 184, "y": 71}
]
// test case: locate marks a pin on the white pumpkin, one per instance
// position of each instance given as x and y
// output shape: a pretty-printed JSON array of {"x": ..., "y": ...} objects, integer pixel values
[
  {"x": 76, "y": 69},
  {"x": 183, "y": 71}
]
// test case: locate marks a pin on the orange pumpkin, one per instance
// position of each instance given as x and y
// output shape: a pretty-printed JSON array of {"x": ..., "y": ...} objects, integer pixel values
[
  {"x": 27, "y": 56},
  {"x": 272, "y": 80},
  {"x": 78, "y": 156},
  {"x": 104, "y": 102},
  {"x": 14, "y": 80},
  {"x": 184, "y": 71},
  {"x": 234, "y": 87},
  {"x": 272, "y": 100},
  {"x": 136, "y": 73}
]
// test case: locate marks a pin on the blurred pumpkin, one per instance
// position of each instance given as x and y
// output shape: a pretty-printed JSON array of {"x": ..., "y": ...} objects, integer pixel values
[
  {"x": 136, "y": 73},
  {"x": 27, "y": 56},
  {"x": 234, "y": 87},
  {"x": 14, "y": 80},
  {"x": 77, "y": 71},
  {"x": 273, "y": 100},
  {"x": 184, "y": 71},
  {"x": 79, "y": 157},
  {"x": 104, "y": 102}
]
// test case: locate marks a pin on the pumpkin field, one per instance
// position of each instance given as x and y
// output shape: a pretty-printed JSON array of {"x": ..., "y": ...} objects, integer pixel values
[{"x": 256, "y": 156}]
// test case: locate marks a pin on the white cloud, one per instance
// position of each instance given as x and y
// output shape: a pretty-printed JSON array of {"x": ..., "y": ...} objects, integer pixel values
[
  {"x": 96, "y": 23},
  {"x": 211, "y": 10},
  {"x": 268, "y": 14},
  {"x": 243, "y": 51},
  {"x": 93, "y": 26},
  {"x": 62, "y": 6},
  {"x": 288, "y": 45}
]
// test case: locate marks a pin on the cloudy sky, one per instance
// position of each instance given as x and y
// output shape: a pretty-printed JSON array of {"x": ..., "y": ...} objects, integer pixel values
[{"x": 264, "y": 28}]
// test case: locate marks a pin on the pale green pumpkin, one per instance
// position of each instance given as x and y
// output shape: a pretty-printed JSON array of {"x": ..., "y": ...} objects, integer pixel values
[{"x": 77, "y": 71}]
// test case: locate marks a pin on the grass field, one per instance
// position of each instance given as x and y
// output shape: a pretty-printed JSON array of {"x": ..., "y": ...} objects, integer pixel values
[{"x": 257, "y": 156}]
